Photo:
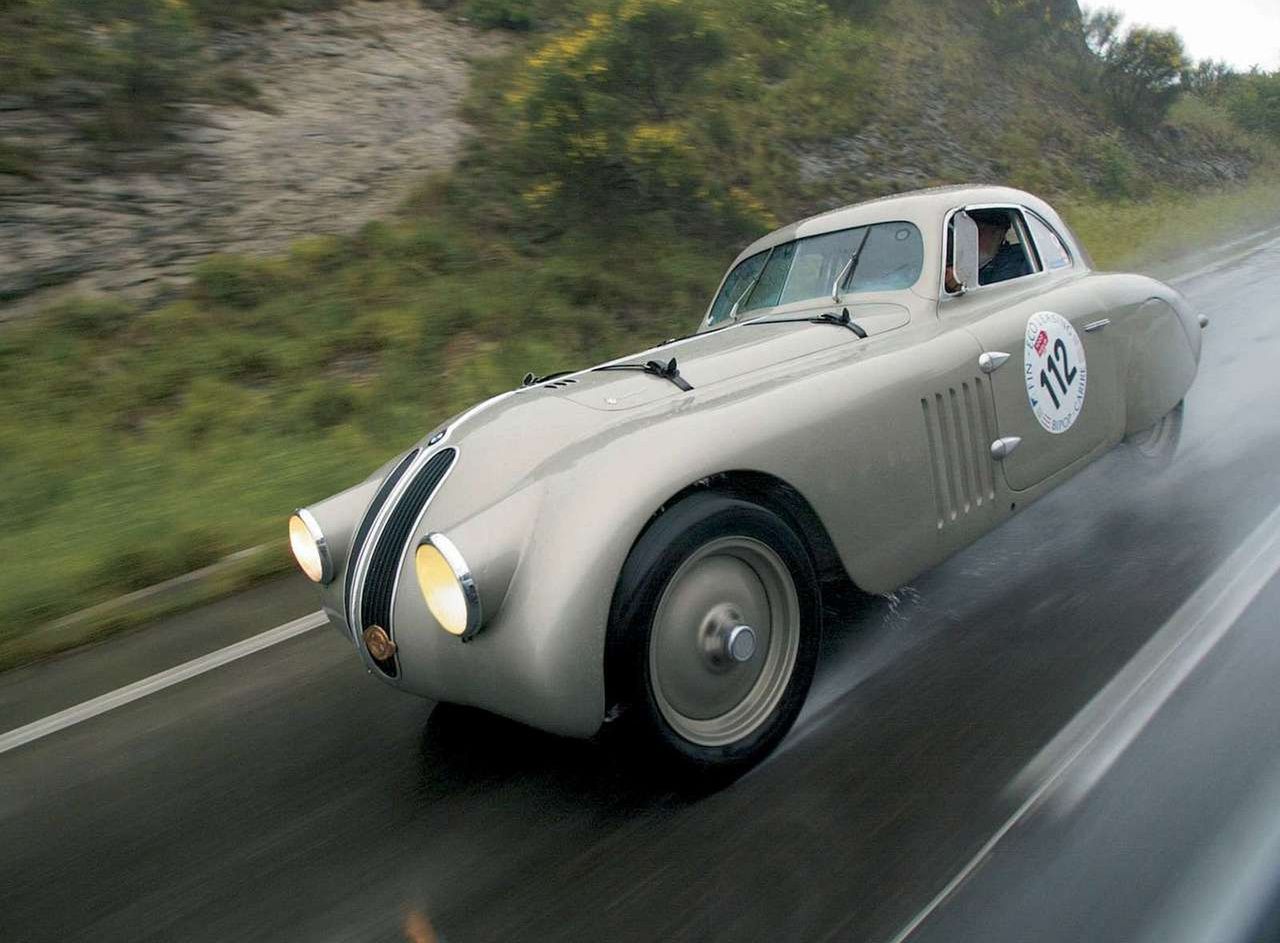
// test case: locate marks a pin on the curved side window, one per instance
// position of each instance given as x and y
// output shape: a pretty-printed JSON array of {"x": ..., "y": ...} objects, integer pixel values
[{"x": 1053, "y": 252}]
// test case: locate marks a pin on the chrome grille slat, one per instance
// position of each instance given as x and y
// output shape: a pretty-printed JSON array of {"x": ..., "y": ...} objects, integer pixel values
[
  {"x": 366, "y": 524},
  {"x": 377, "y": 593}
]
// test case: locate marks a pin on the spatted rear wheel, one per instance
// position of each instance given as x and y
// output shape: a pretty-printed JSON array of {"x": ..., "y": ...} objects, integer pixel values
[
  {"x": 715, "y": 631},
  {"x": 1159, "y": 442}
]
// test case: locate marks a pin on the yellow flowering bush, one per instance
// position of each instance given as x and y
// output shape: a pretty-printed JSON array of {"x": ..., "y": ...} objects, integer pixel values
[{"x": 602, "y": 109}]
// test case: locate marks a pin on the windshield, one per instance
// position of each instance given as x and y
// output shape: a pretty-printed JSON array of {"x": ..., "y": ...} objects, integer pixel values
[{"x": 890, "y": 257}]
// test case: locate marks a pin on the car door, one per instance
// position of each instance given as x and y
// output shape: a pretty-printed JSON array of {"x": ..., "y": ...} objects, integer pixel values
[{"x": 1051, "y": 368}]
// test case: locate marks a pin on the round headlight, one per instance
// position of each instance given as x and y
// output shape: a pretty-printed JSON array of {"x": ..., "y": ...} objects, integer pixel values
[
  {"x": 447, "y": 586},
  {"x": 309, "y": 547}
]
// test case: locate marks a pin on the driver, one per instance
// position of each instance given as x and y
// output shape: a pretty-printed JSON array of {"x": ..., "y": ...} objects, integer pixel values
[{"x": 998, "y": 260}]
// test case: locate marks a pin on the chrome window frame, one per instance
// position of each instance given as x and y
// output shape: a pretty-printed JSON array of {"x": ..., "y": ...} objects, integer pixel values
[
  {"x": 1024, "y": 234},
  {"x": 1066, "y": 244}
]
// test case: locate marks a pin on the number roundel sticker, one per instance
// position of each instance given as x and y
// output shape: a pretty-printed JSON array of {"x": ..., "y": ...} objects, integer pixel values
[{"x": 1056, "y": 372}]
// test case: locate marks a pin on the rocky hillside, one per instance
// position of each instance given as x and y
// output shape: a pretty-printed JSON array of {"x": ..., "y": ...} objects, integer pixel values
[
  {"x": 953, "y": 104},
  {"x": 353, "y": 106}
]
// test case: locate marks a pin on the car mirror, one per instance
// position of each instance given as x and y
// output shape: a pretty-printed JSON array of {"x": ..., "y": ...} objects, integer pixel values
[{"x": 965, "y": 236}]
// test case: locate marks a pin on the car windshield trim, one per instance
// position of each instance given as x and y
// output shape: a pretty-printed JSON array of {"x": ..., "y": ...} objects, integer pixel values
[{"x": 888, "y": 256}]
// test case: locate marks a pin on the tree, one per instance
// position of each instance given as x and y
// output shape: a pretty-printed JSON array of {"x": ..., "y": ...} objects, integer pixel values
[
  {"x": 603, "y": 109},
  {"x": 1254, "y": 102},
  {"x": 1139, "y": 69},
  {"x": 1208, "y": 78}
]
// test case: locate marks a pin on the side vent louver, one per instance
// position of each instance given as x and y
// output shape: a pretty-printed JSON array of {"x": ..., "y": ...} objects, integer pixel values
[{"x": 959, "y": 428}]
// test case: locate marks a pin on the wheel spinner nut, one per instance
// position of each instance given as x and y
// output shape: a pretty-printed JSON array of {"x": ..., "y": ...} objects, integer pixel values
[{"x": 740, "y": 643}]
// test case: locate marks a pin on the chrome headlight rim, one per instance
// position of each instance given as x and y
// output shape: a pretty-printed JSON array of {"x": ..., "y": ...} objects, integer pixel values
[
  {"x": 327, "y": 570},
  {"x": 454, "y": 559}
]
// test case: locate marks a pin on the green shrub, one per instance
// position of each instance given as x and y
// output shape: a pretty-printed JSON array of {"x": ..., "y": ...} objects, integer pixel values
[
  {"x": 1027, "y": 24},
  {"x": 95, "y": 318},
  {"x": 1118, "y": 173},
  {"x": 1207, "y": 79},
  {"x": 321, "y": 404},
  {"x": 1207, "y": 124},
  {"x": 234, "y": 282},
  {"x": 601, "y": 114},
  {"x": 1254, "y": 102},
  {"x": 505, "y": 14}
]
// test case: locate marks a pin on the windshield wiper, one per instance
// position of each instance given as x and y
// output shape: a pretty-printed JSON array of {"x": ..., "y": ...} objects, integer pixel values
[
  {"x": 850, "y": 268},
  {"x": 667, "y": 371},
  {"x": 733, "y": 312},
  {"x": 839, "y": 320}
]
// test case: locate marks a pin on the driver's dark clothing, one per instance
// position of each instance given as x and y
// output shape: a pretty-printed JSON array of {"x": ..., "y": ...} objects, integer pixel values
[{"x": 1009, "y": 262}]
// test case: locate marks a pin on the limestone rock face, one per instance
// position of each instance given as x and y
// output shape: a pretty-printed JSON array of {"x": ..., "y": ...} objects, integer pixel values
[{"x": 356, "y": 104}]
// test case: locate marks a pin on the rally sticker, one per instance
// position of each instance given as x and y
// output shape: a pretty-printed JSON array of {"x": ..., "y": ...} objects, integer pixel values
[{"x": 1055, "y": 371}]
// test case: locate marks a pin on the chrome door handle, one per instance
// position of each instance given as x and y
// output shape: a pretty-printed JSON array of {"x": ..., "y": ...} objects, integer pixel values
[{"x": 1096, "y": 325}]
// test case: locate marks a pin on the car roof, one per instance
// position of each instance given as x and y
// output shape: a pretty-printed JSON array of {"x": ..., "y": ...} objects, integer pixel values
[{"x": 925, "y": 208}]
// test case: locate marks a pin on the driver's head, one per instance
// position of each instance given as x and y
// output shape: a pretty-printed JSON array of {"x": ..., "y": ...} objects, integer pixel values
[{"x": 993, "y": 225}]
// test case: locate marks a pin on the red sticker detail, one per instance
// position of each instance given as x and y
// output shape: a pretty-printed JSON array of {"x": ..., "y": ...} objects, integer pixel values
[{"x": 1042, "y": 341}]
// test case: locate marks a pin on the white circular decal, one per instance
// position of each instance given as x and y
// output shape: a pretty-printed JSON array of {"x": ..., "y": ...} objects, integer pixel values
[{"x": 1056, "y": 373}]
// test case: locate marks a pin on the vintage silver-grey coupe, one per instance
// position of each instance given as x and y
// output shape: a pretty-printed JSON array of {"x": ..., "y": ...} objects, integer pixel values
[{"x": 869, "y": 391}]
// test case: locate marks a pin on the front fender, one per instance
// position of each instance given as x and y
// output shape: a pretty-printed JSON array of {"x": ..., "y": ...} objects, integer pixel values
[{"x": 546, "y": 560}]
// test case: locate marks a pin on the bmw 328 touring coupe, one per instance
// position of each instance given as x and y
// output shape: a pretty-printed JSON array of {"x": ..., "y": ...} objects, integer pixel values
[{"x": 869, "y": 391}]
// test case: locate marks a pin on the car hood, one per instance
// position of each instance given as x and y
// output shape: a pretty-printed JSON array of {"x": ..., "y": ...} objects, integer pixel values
[
  {"x": 713, "y": 357},
  {"x": 522, "y": 435}
]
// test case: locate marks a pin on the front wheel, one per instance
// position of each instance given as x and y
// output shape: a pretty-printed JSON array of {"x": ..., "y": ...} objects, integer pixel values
[{"x": 715, "y": 632}]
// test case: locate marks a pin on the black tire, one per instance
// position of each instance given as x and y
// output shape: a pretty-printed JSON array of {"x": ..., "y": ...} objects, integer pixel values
[
  {"x": 1158, "y": 444},
  {"x": 689, "y": 542}
]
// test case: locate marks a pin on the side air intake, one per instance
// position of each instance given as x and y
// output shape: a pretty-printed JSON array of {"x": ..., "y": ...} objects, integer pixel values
[{"x": 959, "y": 427}]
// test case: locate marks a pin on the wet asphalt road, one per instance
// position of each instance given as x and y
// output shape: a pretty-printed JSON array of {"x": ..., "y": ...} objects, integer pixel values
[{"x": 290, "y": 797}]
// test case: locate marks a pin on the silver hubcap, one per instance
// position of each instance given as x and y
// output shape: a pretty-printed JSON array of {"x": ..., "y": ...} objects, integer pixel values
[{"x": 725, "y": 637}]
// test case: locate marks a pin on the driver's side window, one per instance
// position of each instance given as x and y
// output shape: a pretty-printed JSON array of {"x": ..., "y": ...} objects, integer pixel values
[{"x": 1003, "y": 248}]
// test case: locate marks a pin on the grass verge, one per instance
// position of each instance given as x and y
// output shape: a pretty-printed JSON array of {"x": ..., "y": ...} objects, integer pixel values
[
  {"x": 134, "y": 610},
  {"x": 1150, "y": 233}
]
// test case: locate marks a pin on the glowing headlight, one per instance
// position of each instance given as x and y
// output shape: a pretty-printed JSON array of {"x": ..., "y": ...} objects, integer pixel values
[
  {"x": 309, "y": 547},
  {"x": 447, "y": 586}
]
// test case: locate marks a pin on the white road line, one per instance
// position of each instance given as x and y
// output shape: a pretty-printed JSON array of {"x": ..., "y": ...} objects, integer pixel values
[
  {"x": 1266, "y": 242},
  {"x": 158, "y": 682},
  {"x": 1115, "y": 716},
  {"x": 1077, "y": 758}
]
